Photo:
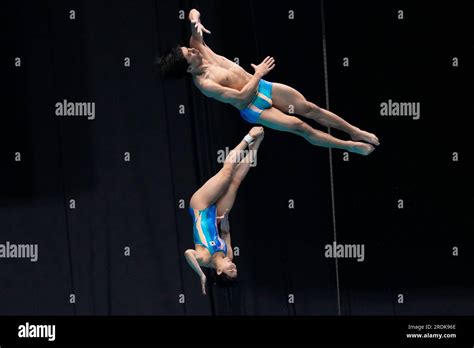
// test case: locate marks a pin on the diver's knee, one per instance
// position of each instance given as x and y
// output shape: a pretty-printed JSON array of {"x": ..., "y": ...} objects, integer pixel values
[
  {"x": 309, "y": 108},
  {"x": 297, "y": 125},
  {"x": 228, "y": 169}
]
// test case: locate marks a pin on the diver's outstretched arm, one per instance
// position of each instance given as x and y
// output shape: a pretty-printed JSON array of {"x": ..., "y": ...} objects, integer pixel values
[
  {"x": 192, "y": 256},
  {"x": 197, "y": 29}
]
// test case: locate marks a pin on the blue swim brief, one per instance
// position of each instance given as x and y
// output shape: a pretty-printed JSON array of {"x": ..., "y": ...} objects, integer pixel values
[{"x": 262, "y": 101}]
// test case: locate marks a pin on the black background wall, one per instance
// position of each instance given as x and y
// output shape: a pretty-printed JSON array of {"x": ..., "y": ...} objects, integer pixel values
[{"x": 139, "y": 203}]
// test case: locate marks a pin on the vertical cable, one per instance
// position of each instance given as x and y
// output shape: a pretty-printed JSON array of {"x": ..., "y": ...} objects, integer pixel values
[{"x": 331, "y": 172}]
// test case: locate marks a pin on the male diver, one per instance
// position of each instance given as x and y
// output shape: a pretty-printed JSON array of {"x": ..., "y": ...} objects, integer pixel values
[{"x": 259, "y": 101}]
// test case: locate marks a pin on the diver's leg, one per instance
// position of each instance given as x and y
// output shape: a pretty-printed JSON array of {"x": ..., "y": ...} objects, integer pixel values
[
  {"x": 286, "y": 98},
  {"x": 275, "y": 119},
  {"x": 226, "y": 201},
  {"x": 216, "y": 186}
]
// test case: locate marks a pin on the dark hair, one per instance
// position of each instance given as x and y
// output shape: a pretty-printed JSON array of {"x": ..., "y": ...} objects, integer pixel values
[
  {"x": 221, "y": 280},
  {"x": 173, "y": 64}
]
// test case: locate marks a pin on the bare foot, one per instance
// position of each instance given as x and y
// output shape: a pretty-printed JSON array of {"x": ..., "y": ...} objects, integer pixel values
[
  {"x": 361, "y": 135},
  {"x": 362, "y": 148},
  {"x": 256, "y": 144},
  {"x": 255, "y": 132}
]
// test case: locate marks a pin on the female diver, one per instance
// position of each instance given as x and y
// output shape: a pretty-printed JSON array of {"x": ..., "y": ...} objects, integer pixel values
[{"x": 211, "y": 205}]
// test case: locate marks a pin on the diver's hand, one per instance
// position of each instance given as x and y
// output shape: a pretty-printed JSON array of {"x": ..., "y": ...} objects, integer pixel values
[
  {"x": 265, "y": 66},
  {"x": 219, "y": 218},
  {"x": 199, "y": 27},
  {"x": 203, "y": 284}
]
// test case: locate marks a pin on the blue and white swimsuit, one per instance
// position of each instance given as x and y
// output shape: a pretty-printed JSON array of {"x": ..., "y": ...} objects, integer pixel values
[{"x": 205, "y": 230}]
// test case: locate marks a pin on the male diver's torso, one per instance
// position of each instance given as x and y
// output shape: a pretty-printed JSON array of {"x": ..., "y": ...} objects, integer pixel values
[
  {"x": 223, "y": 72},
  {"x": 228, "y": 77}
]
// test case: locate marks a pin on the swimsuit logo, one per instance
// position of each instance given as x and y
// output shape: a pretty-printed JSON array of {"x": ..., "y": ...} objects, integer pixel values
[{"x": 212, "y": 243}]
